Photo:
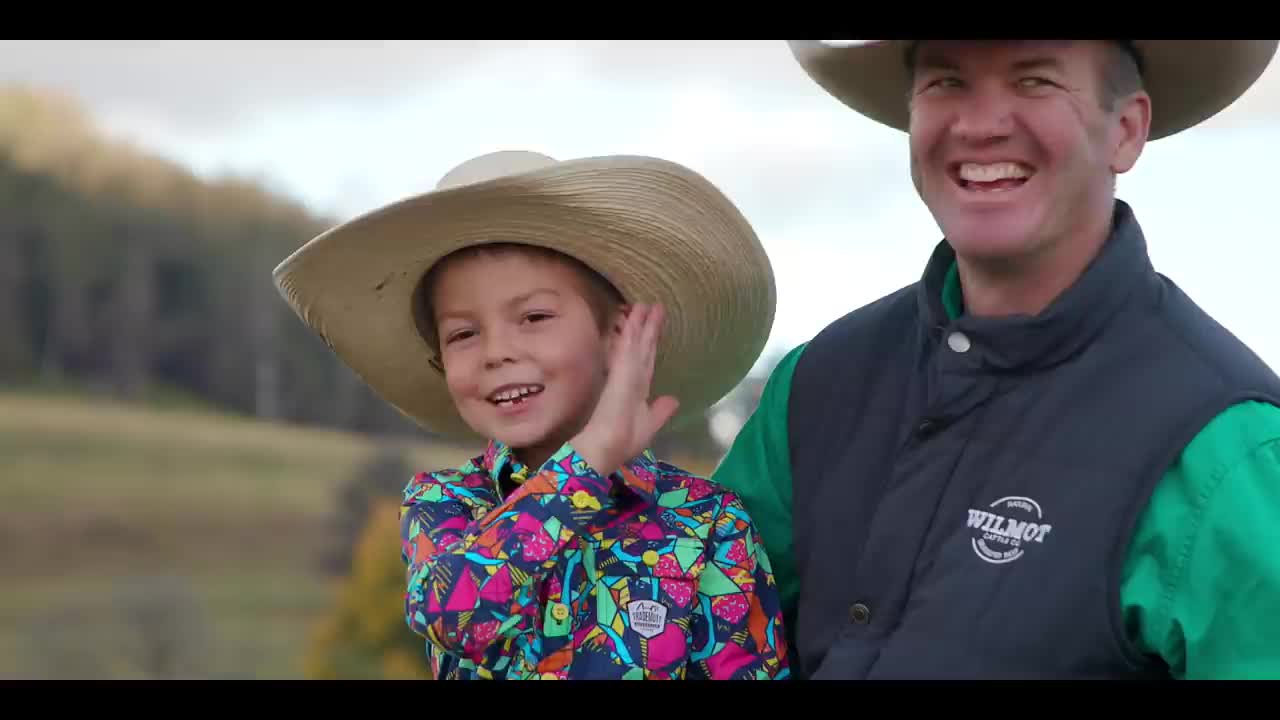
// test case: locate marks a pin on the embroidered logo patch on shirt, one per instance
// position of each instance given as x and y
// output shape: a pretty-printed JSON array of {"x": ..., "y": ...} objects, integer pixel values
[{"x": 648, "y": 618}]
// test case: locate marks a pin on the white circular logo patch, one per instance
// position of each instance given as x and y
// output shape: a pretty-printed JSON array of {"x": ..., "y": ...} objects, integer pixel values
[{"x": 1002, "y": 532}]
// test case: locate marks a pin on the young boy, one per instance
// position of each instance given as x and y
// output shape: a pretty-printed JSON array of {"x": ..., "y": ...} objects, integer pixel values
[{"x": 566, "y": 550}]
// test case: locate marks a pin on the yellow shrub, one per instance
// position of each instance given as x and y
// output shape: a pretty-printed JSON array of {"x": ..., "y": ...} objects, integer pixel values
[{"x": 365, "y": 636}]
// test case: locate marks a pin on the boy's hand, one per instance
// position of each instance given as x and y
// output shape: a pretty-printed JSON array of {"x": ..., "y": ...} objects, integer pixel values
[{"x": 625, "y": 421}]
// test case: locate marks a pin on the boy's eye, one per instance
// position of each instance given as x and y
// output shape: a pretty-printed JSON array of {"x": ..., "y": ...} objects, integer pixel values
[
  {"x": 457, "y": 335},
  {"x": 537, "y": 316}
]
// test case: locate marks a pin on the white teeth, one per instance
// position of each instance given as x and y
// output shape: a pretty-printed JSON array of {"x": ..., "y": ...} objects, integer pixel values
[
  {"x": 973, "y": 172},
  {"x": 506, "y": 396}
]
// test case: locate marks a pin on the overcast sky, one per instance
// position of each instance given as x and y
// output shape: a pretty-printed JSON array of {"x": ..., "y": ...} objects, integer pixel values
[{"x": 347, "y": 125}]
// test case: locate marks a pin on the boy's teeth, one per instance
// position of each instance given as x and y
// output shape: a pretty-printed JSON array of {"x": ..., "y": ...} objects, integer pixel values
[
  {"x": 509, "y": 395},
  {"x": 973, "y": 172}
]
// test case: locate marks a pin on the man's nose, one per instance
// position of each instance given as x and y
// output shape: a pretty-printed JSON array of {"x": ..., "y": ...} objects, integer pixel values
[{"x": 986, "y": 114}]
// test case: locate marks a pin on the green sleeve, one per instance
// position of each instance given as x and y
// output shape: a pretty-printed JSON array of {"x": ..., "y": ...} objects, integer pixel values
[
  {"x": 757, "y": 468},
  {"x": 1201, "y": 587}
]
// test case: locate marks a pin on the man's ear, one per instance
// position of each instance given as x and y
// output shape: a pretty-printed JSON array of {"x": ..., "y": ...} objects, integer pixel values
[{"x": 1133, "y": 127}]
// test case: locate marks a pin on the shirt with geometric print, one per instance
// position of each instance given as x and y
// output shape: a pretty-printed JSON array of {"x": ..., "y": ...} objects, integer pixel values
[{"x": 651, "y": 573}]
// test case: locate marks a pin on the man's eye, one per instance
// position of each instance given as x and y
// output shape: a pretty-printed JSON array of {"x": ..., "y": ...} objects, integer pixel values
[
  {"x": 537, "y": 316},
  {"x": 1033, "y": 82},
  {"x": 456, "y": 336},
  {"x": 937, "y": 85}
]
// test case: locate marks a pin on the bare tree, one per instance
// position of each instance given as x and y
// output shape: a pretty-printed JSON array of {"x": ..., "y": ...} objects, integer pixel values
[
  {"x": 131, "y": 336},
  {"x": 14, "y": 344},
  {"x": 264, "y": 319}
]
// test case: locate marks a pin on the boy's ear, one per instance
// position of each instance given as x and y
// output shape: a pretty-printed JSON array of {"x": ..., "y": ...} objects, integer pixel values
[
  {"x": 435, "y": 363},
  {"x": 618, "y": 319}
]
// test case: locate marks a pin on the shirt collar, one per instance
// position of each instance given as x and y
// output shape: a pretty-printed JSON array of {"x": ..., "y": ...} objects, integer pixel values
[
  {"x": 500, "y": 461},
  {"x": 640, "y": 474},
  {"x": 1069, "y": 323}
]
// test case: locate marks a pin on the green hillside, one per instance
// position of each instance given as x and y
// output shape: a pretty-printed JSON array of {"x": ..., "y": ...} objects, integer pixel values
[{"x": 138, "y": 542}]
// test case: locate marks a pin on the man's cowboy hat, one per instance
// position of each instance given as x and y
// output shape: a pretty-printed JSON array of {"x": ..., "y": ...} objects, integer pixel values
[
  {"x": 1189, "y": 81},
  {"x": 658, "y": 231}
]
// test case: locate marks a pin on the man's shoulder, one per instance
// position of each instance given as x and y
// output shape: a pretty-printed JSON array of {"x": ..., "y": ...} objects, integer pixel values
[
  {"x": 866, "y": 334},
  {"x": 889, "y": 311},
  {"x": 1212, "y": 346}
]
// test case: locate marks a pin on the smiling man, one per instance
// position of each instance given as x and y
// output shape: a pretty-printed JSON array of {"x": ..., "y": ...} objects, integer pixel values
[{"x": 1042, "y": 459}]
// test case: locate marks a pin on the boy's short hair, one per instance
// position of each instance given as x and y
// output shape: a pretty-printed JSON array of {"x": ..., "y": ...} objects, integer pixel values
[{"x": 601, "y": 295}]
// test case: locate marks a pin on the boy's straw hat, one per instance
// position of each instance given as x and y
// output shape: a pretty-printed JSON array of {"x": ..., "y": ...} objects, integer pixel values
[
  {"x": 1189, "y": 81},
  {"x": 658, "y": 231}
]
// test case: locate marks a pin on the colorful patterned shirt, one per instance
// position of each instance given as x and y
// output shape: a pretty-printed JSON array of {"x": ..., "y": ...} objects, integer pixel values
[{"x": 652, "y": 573}]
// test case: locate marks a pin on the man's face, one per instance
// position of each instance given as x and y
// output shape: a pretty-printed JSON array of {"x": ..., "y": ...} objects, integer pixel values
[{"x": 1011, "y": 148}]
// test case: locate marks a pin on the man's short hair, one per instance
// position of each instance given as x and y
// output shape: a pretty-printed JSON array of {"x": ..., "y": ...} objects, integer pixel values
[{"x": 1121, "y": 73}]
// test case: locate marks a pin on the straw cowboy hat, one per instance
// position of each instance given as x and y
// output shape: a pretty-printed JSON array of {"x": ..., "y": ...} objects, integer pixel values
[
  {"x": 1189, "y": 81},
  {"x": 658, "y": 231}
]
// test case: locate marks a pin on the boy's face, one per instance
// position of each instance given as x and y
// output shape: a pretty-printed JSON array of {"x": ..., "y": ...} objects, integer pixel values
[{"x": 523, "y": 353}]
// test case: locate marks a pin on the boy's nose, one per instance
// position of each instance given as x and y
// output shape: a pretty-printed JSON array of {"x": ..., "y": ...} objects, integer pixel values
[
  {"x": 494, "y": 362},
  {"x": 497, "y": 350}
]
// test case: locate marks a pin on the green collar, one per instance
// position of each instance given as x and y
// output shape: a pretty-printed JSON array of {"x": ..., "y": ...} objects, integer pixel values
[{"x": 952, "y": 297}]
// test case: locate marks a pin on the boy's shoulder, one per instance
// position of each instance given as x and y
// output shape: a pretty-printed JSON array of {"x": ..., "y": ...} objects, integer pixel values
[
  {"x": 692, "y": 494},
  {"x": 470, "y": 475},
  {"x": 672, "y": 478}
]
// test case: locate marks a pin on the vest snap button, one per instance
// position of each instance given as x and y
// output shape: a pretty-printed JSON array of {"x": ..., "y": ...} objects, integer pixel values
[
  {"x": 958, "y": 342},
  {"x": 860, "y": 614}
]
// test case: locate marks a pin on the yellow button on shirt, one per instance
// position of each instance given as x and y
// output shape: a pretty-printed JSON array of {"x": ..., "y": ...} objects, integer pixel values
[{"x": 583, "y": 500}]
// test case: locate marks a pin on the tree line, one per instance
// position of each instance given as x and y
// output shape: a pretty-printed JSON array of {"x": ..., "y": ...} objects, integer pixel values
[{"x": 126, "y": 274}]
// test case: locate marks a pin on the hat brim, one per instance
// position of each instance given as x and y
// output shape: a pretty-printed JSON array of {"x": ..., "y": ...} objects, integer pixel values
[
  {"x": 1189, "y": 81},
  {"x": 659, "y": 232}
]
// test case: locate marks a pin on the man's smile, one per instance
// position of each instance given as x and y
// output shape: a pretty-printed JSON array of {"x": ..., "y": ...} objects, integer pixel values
[{"x": 990, "y": 176}]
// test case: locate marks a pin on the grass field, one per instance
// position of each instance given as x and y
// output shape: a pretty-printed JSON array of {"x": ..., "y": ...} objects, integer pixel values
[{"x": 137, "y": 538}]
